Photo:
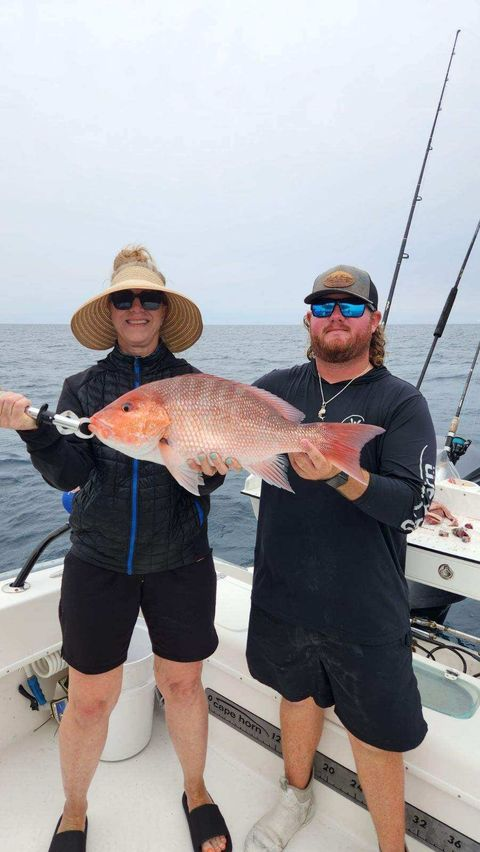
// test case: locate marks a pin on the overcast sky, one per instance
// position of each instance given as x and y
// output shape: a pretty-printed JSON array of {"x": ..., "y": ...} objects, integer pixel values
[{"x": 248, "y": 144}]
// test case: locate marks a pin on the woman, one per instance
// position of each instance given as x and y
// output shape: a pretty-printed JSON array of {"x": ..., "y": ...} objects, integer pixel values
[{"x": 139, "y": 540}]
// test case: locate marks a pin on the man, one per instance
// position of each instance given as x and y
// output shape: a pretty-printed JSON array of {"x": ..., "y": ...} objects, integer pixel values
[
  {"x": 139, "y": 540},
  {"x": 330, "y": 618}
]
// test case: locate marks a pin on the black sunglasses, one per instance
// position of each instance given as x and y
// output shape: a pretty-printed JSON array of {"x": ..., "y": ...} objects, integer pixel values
[{"x": 150, "y": 300}]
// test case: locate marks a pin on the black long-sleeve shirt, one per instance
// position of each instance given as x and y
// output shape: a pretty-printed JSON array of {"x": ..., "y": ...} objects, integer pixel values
[{"x": 336, "y": 565}]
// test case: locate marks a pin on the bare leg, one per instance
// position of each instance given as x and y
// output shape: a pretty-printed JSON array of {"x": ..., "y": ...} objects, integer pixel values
[
  {"x": 83, "y": 731},
  {"x": 186, "y": 711},
  {"x": 301, "y": 723},
  {"x": 382, "y": 778}
]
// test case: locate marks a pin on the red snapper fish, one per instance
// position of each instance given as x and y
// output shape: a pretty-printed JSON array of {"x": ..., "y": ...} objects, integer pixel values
[{"x": 173, "y": 420}]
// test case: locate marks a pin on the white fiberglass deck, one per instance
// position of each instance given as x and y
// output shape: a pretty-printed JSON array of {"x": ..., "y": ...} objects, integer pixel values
[{"x": 135, "y": 804}]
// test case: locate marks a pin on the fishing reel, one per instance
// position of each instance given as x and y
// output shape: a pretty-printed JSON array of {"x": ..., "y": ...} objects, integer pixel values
[{"x": 457, "y": 448}]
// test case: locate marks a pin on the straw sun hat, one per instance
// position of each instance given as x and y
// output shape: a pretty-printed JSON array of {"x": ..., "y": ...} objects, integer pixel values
[{"x": 92, "y": 326}]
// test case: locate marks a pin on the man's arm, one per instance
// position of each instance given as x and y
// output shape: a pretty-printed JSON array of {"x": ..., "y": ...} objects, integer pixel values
[
  {"x": 64, "y": 461},
  {"x": 400, "y": 493},
  {"x": 312, "y": 464}
]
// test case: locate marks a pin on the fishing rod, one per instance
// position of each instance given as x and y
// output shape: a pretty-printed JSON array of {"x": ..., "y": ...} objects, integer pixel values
[
  {"x": 454, "y": 446},
  {"x": 402, "y": 255},
  {"x": 447, "y": 308}
]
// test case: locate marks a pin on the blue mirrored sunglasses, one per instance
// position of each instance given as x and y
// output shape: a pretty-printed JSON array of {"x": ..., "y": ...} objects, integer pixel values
[{"x": 348, "y": 309}]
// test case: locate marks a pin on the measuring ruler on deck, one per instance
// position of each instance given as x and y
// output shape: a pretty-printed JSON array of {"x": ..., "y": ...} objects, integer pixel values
[{"x": 425, "y": 828}]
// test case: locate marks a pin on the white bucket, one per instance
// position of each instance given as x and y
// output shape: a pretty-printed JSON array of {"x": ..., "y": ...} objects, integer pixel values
[{"x": 130, "y": 725}]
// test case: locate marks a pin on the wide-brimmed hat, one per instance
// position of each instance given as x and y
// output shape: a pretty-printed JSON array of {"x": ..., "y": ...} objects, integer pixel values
[{"x": 93, "y": 328}]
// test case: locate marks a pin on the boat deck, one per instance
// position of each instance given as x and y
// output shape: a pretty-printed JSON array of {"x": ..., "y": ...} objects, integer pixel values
[{"x": 135, "y": 804}]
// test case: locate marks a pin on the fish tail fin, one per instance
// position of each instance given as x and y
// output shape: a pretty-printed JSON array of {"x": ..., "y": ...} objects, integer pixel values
[{"x": 341, "y": 443}]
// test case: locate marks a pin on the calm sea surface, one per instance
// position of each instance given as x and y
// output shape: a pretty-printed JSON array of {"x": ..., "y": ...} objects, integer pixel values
[{"x": 34, "y": 359}]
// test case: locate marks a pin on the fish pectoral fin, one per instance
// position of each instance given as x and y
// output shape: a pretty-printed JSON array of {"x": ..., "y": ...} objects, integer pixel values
[
  {"x": 179, "y": 469},
  {"x": 154, "y": 455},
  {"x": 273, "y": 471}
]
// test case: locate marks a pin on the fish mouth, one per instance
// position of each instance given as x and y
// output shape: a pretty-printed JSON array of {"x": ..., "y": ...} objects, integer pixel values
[
  {"x": 100, "y": 428},
  {"x": 106, "y": 433}
]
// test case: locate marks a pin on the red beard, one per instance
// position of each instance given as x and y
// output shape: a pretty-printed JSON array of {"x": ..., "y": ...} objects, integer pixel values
[{"x": 339, "y": 352}]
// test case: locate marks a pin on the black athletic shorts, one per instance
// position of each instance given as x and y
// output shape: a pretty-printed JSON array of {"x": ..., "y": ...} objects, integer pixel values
[
  {"x": 372, "y": 687},
  {"x": 98, "y": 610}
]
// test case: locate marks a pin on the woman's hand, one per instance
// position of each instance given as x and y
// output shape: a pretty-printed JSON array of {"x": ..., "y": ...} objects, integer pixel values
[
  {"x": 312, "y": 464},
  {"x": 12, "y": 411},
  {"x": 213, "y": 463}
]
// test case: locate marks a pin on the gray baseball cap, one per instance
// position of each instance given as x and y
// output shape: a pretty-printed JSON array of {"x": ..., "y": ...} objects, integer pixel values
[{"x": 344, "y": 281}]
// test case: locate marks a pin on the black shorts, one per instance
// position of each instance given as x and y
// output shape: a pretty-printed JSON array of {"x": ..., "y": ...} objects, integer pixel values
[
  {"x": 373, "y": 687},
  {"x": 98, "y": 610}
]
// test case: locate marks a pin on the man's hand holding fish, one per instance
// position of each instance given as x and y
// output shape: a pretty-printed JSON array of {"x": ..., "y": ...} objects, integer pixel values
[{"x": 312, "y": 464}]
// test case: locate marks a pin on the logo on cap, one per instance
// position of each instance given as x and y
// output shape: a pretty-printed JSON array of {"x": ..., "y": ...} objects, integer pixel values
[{"x": 340, "y": 278}]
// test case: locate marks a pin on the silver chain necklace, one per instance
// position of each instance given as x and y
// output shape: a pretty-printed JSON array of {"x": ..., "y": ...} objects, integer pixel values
[{"x": 325, "y": 402}]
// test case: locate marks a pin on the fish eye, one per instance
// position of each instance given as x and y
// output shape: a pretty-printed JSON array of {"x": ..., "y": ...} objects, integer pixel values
[{"x": 126, "y": 406}]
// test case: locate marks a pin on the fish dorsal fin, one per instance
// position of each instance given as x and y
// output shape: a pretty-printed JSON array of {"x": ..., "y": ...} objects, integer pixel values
[
  {"x": 287, "y": 411},
  {"x": 179, "y": 469},
  {"x": 273, "y": 471}
]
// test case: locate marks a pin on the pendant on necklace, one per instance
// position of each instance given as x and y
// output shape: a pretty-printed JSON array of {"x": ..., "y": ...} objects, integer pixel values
[{"x": 322, "y": 413}]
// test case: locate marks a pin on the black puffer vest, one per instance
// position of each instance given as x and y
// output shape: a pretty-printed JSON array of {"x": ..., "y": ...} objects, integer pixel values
[{"x": 132, "y": 516}]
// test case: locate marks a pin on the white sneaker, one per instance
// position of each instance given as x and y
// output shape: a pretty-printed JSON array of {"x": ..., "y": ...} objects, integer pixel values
[{"x": 274, "y": 830}]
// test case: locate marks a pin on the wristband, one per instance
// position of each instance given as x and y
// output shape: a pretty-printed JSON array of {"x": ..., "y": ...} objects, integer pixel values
[{"x": 339, "y": 479}]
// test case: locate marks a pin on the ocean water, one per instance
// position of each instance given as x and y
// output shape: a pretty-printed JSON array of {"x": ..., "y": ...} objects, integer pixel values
[{"x": 34, "y": 359}]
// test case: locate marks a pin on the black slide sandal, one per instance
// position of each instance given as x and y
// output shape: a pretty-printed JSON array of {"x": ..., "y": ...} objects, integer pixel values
[
  {"x": 205, "y": 822},
  {"x": 69, "y": 841}
]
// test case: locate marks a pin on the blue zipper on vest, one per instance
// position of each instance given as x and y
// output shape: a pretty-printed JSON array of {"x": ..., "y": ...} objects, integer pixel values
[
  {"x": 133, "y": 525},
  {"x": 199, "y": 509}
]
